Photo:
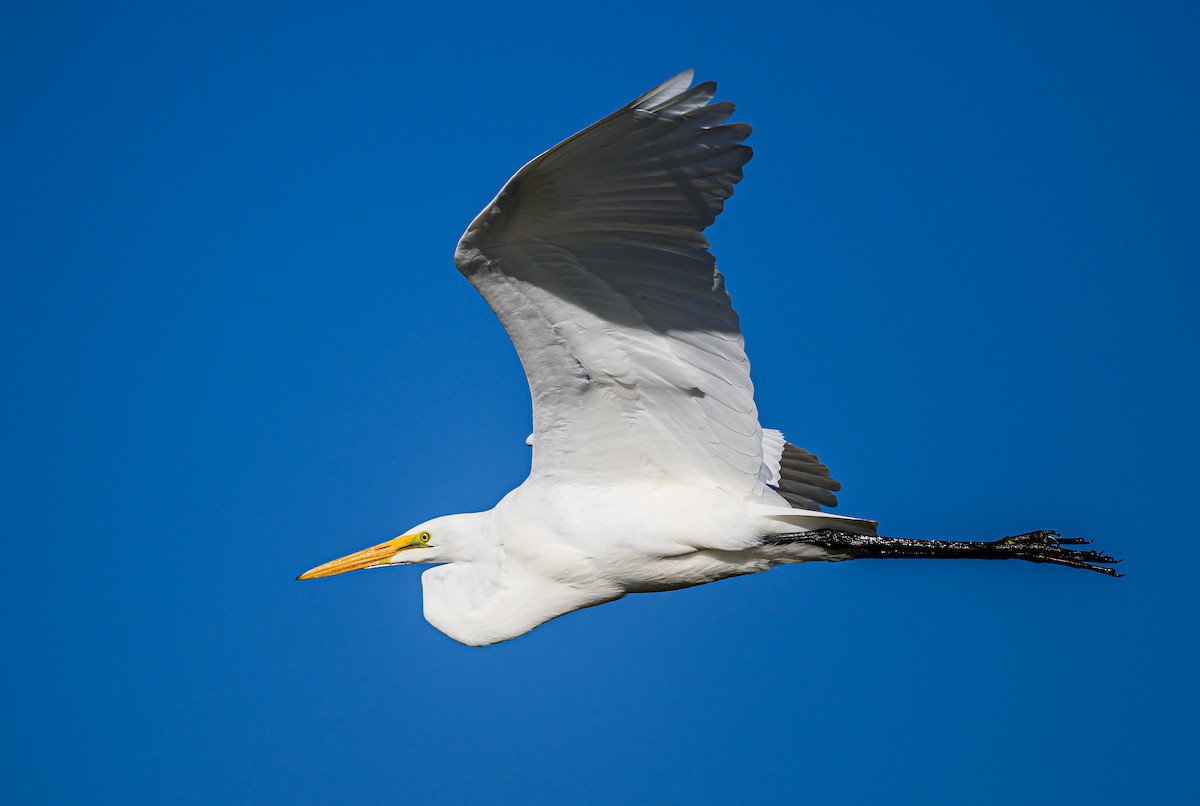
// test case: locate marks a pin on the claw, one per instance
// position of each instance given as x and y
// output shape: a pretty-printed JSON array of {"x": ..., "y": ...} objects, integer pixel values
[{"x": 1049, "y": 546}]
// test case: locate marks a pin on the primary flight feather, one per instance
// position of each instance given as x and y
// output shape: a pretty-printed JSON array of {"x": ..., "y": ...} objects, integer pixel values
[{"x": 650, "y": 469}]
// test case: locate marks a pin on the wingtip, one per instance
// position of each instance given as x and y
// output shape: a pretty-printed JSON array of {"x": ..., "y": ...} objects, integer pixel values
[
  {"x": 686, "y": 77},
  {"x": 668, "y": 89}
]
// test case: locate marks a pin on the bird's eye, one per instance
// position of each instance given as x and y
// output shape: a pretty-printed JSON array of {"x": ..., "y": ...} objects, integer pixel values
[{"x": 424, "y": 537}]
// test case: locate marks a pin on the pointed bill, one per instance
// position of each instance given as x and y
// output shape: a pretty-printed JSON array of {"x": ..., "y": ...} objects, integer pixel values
[{"x": 373, "y": 557}]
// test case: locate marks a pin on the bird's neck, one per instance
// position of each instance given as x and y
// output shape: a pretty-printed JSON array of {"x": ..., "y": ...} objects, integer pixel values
[
  {"x": 460, "y": 591},
  {"x": 486, "y": 601}
]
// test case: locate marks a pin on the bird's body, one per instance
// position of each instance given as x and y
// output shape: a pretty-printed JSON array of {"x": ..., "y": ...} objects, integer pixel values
[
  {"x": 650, "y": 469},
  {"x": 548, "y": 549}
]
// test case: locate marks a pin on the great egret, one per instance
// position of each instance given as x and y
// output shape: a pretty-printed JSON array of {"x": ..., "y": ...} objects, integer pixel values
[{"x": 650, "y": 470}]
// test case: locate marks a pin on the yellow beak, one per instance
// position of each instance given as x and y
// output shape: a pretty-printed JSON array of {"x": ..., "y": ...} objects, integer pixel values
[{"x": 374, "y": 557}]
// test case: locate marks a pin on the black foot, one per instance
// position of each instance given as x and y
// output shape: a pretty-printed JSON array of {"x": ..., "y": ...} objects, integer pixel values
[{"x": 1046, "y": 546}]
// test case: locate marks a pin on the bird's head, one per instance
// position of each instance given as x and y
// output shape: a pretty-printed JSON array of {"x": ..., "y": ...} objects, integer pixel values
[{"x": 439, "y": 540}]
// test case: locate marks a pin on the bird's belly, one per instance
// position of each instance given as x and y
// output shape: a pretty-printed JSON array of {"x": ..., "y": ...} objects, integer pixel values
[{"x": 697, "y": 568}]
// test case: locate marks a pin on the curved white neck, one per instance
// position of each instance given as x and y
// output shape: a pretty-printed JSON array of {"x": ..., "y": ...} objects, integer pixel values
[{"x": 481, "y": 603}]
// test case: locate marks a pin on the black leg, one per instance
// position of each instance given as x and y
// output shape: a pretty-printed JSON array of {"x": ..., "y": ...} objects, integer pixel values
[{"x": 1035, "y": 547}]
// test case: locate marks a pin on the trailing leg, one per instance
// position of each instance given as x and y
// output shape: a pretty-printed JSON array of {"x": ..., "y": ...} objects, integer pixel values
[{"x": 1035, "y": 547}]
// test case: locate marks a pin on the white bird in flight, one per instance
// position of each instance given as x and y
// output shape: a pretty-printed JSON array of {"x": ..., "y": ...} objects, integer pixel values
[{"x": 650, "y": 470}]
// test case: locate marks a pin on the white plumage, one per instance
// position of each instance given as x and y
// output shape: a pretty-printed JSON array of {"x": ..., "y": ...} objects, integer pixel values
[{"x": 650, "y": 470}]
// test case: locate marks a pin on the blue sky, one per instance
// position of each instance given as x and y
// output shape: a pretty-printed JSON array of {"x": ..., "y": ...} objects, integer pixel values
[{"x": 965, "y": 258}]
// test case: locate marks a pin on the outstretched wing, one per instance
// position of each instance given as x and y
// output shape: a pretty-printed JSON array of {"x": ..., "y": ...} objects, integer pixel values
[{"x": 594, "y": 260}]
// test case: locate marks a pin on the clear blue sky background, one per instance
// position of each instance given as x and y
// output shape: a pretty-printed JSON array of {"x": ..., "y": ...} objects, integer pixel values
[{"x": 965, "y": 256}]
